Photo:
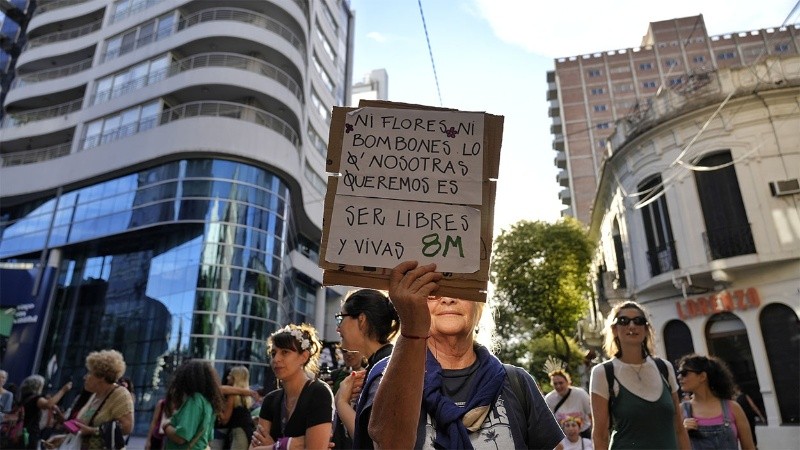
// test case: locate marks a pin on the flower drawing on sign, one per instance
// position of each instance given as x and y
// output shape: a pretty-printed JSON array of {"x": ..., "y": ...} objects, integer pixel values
[
  {"x": 348, "y": 128},
  {"x": 451, "y": 133}
]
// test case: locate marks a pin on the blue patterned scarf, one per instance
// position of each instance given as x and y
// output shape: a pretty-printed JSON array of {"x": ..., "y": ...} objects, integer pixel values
[{"x": 486, "y": 384}]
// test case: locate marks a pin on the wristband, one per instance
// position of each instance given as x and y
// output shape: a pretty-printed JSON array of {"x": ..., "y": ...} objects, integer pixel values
[{"x": 411, "y": 336}]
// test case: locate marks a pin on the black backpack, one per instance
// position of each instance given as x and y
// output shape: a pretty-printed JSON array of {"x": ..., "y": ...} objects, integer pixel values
[{"x": 609, "y": 367}]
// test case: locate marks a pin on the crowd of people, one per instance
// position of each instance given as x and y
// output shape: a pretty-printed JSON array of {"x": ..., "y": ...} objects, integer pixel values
[{"x": 413, "y": 376}]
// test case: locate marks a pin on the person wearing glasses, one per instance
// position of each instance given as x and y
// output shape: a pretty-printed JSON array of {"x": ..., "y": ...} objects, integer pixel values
[
  {"x": 712, "y": 419},
  {"x": 641, "y": 410},
  {"x": 441, "y": 389},
  {"x": 367, "y": 323}
]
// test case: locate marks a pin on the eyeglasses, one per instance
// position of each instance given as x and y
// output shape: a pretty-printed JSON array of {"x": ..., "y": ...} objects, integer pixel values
[
  {"x": 340, "y": 316},
  {"x": 683, "y": 372},
  {"x": 624, "y": 320}
]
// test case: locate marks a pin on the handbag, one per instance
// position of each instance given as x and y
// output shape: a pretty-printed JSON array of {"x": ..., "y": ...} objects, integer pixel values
[{"x": 111, "y": 433}]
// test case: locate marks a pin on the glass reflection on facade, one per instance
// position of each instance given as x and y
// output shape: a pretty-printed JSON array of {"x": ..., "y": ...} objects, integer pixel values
[{"x": 183, "y": 260}]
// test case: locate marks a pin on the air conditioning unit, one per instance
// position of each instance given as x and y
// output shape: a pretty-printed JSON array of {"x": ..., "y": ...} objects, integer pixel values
[{"x": 784, "y": 187}]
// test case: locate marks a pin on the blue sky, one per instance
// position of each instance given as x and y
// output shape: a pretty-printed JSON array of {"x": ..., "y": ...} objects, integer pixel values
[{"x": 493, "y": 56}]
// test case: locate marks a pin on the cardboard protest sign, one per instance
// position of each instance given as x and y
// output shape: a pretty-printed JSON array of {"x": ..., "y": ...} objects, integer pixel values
[{"x": 410, "y": 182}]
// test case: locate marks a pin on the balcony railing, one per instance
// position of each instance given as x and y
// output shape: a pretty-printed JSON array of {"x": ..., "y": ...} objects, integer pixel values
[
  {"x": 33, "y": 115},
  {"x": 36, "y": 155},
  {"x": 663, "y": 259},
  {"x": 238, "y": 15},
  {"x": 199, "y": 61},
  {"x": 64, "y": 35},
  {"x": 51, "y": 74},
  {"x": 727, "y": 242},
  {"x": 197, "y": 109},
  {"x": 131, "y": 11},
  {"x": 49, "y": 5}
]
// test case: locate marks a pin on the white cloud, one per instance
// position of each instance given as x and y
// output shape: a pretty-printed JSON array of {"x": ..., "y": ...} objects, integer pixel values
[
  {"x": 565, "y": 29},
  {"x": 378, "y": 37}
]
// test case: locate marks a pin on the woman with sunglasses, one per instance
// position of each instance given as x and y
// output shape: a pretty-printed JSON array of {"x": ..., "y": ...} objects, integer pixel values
[
  {"x": 643, "y": 410},
  {"x": 367, "y": 324},
  {"x": 713, "y": 420}
]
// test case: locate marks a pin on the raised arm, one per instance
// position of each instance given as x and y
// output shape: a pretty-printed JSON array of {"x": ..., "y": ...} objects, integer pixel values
[{"x": 396, "y": 410}]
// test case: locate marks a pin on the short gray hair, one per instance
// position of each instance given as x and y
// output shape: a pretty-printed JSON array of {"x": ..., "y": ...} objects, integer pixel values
[{"x": 34, "y": 384}]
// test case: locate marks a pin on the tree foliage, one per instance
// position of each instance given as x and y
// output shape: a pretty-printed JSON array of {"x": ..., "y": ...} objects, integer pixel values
[{"x": 541, "y": 287}]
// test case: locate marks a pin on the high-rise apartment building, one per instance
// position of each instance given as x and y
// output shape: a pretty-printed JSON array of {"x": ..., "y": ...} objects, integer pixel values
[
  {"x": 14, "y": 17},
  {"x": 589, "y": 93},
  {"x": 162, "y": 181},
  {"x": 374, "y": 86}
]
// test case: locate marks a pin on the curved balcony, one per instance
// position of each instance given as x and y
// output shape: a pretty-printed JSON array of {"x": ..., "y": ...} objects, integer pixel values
[
  {"x": 208, "y": 15},
  {"x": 66, "y": 35},
  {"x": 197, "y": 109},
  {"x": 33, "y": 115},
  {"x": 44, "y": 6},
  {"x": 51, "y": 74},
  {"x": 36, "y": 155},
  {"x": 219, "y": 59}
]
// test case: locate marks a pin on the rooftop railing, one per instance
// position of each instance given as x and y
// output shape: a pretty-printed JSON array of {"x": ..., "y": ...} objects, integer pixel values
[{"x": 119, "y": 15}]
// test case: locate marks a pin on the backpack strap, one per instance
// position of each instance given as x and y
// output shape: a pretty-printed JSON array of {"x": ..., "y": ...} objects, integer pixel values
[
  {"x": 515, "y": 380},
  {"x": 609, "y": 368},
  {"x": 662, "y": 367},
  {"x": 726, "y": 413},
  {"x": 686, "y": 407}
]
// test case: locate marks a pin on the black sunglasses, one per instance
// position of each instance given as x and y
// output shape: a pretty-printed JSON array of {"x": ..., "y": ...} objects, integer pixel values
[
  {"x": 340, "y": 316},
  {"x": 624, "y": 320},
  {"x": 683, "y": 372}
]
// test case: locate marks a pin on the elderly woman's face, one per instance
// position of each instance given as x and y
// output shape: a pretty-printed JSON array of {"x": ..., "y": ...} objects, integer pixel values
[
  {"x": 94, "y": 383},
  {"x": 453, "y": 317}
]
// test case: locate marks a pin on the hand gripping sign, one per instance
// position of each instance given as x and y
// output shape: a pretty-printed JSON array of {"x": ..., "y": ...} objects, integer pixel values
[{"x": 410, "y": 182}]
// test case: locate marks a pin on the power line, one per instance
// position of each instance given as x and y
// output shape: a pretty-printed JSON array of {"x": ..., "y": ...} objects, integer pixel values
[{"x": 430, "y": 52}]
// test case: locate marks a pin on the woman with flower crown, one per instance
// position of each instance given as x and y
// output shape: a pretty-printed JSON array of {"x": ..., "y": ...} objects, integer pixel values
[{"x": 300, "y": 412}]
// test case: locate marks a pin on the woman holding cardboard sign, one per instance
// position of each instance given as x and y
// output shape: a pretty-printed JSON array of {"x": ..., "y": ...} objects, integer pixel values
[{"x": 464, "y": 396}]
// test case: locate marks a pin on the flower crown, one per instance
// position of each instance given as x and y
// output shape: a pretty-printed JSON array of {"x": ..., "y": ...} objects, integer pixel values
[{"x": 305, "y": 344}]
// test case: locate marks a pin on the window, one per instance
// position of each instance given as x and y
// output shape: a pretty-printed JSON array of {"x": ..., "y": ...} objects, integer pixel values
[
  {"x": 728, "y": 231},
  {"x": 649, "y": 84},
  {"x": 125, "y": 123},
  {"x": 326, "y": 44},
  {"x": 597, "y": 91},
  {"x": 144, "y": 34},
  {"x": 321, "y": 108},
  {"x": 594, "y": 73},
  {"x": 699, "y": 59},
  {"x": 661, "y": 254},
  {"x": 619, "y": 255},
  {"x": 326, "y": 79},
  {"x": 317, "y": 141},
  {"x": 782, "y": 47},
  {"x": 646, "y": 66},
  {"x": 675, "y": 81},
  {"x": 317, "y": 181},
  {"x": 601, "y": 143},
  {"x": 677, "y": 340},
  {"x": 600, "y": 108},
  {"x": 671, "y": 62},
  {"x": 602, "y": 126},
  {"x": 726, "y": 55},
  {"x": 781, "y": 329},
  {"x": 130, "y": 79}
]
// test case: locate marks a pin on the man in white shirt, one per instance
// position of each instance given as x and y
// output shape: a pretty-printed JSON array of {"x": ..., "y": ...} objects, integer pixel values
[{"x": 567, "y": 401}]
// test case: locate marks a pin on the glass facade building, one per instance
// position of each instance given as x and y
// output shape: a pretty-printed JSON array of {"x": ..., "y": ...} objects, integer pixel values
[{"x": 167, "y": 183}]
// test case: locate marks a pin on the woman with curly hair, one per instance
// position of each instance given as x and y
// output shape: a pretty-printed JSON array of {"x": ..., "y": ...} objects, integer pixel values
[
  {"x": 194, "y": 392},
  {"x": 301, "y": 411},
  {"x": 712, "y": 418}
]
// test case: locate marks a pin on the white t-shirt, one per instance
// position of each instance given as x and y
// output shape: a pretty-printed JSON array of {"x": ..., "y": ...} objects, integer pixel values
[
  {"x": 648, "y": 388},
  {"x": 587, "y": 444},
  {"x": 576, "y": 405}
]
